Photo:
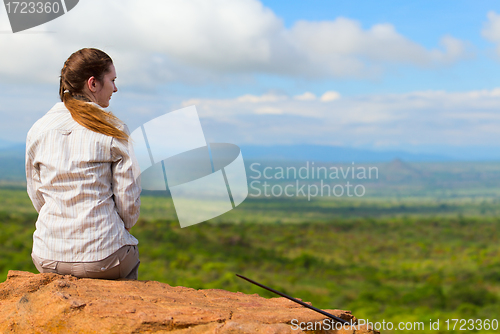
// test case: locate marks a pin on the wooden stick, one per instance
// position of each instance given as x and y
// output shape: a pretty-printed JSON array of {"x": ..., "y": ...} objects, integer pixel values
[{"x": 296, "y": 300}]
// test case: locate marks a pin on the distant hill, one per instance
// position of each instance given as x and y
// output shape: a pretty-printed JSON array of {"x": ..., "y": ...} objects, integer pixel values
[
  {"x": 5, "y": 144},
  {"x": 398, "y": 170},
  {"x": 340, "y": 154},
  {"x": 397, "y": 173},
  {"x": 400, "y": 164},
  {"x": 12, "y": 162},
  {"x": 304, "y": 152}
]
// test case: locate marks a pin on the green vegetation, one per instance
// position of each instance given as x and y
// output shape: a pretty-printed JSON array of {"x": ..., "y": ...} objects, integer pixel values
[
  {"x": 421, "y": 244},
  {"x": 393, "y": 259}
]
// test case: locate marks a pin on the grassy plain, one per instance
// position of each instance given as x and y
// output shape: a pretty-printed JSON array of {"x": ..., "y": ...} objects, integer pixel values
[{"x": 422, "y": 244}]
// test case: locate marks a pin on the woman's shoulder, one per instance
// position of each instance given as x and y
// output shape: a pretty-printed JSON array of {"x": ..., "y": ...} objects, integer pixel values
[
  {"x": 58, "y": 119},
  {"x": 47, "y": 120}
]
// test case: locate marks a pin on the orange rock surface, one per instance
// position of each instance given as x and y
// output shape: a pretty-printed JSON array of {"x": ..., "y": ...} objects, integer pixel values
[{"x": 51, "y": 303}]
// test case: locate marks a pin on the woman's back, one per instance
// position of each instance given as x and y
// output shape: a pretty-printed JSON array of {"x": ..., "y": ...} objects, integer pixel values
[
  {"x": 81, "y": 177},
  {"x": 77, "y": 174}
]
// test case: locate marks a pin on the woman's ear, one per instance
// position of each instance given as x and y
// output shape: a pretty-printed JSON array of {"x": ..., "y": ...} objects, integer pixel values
[{"x": 92, "y": 84}]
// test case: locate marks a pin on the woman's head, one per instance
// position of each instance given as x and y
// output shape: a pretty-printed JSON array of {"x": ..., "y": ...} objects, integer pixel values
[{"x": 89, "y": 75}]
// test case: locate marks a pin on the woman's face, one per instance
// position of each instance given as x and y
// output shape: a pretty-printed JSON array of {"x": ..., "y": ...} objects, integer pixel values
[{"x": 106, "y": 88}]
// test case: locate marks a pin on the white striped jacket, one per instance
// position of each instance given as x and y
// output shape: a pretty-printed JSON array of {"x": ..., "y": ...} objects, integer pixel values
[{"x": 82, "y": 185}]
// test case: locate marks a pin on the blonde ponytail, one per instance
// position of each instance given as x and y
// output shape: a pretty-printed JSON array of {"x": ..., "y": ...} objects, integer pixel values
[
  {"x": 93, "y": 118},
  {"x": 80, "y": 66}
]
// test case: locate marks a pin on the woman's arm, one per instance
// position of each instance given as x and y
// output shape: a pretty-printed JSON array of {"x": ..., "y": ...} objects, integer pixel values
[
  {"x": 33, "y": 178},
  {"x": 126, "y": 184}
]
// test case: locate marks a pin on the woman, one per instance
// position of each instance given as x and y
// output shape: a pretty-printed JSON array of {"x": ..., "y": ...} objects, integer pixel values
[{"x": 80, "y": 175}]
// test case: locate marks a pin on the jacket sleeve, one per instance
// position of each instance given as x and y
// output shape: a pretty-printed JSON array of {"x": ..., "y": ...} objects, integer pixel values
[
  {"x": 126, "y": 181},
  {"x": 33, "y": 182}
]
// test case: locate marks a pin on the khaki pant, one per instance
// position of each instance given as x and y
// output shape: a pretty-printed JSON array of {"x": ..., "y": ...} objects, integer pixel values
[{"x": 124, "y": 263}]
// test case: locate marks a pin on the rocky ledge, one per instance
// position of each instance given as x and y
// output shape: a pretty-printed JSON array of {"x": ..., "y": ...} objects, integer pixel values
[{"x": 51, "y": 303}]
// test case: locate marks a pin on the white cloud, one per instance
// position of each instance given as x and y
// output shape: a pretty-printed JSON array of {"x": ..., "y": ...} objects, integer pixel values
[
  {"x": 263, "y": 98},
  {"x": 268, "y": 110},
  {"x": 330, "y": 96},
  {"x": 454, "y": 49},
  {"x": 416, "y": 118},
  {"x": 326, "y": 97},
  {"x": 491, "y": 29},
  {"x": 307, "y": 96},
  {"x": 159, "y": 41}
]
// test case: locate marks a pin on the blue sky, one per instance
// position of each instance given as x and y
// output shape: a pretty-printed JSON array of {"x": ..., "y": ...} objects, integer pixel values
[
  {"x": 423, "y": 22},
  {"x": 420, "y": 76}
]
